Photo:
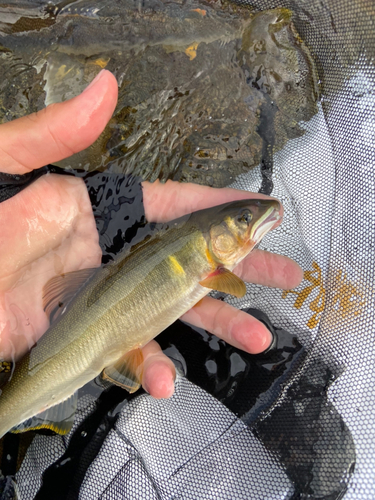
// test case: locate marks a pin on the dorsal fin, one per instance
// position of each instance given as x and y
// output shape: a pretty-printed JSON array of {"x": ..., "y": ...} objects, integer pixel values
[{"x": 59, "y": 290}]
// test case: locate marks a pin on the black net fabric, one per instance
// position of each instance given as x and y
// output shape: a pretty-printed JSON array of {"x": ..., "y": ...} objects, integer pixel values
[{"x": 313, "y": 436}]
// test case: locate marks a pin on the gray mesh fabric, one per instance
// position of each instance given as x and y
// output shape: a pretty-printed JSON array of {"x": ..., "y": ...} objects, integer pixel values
[
  {"x": 326, "y": 182},
  {"x": 180, "y": 448}
]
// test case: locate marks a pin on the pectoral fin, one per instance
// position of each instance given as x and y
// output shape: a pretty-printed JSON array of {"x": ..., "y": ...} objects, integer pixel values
[
  {"x": 127, "y": 372},
  {"x": 225, "y": 281},
  {"x": 59, "y": 290},
  {"x": 58, "y": 418}
]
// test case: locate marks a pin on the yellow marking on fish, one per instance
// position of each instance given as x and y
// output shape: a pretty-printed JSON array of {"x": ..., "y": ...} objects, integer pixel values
[
  {"x": 210, "y": 260},
  {"x": 191, "y": 51},
  {"x": 202, "y": 12},
  {"x": 176, "y": 266}
]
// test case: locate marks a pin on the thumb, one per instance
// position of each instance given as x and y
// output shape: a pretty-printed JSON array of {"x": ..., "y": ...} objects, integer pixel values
[{"x": 60, "y": 130}]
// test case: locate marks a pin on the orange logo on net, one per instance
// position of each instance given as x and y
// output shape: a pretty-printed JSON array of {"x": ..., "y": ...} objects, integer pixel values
[{"x": 347, "y": 297}]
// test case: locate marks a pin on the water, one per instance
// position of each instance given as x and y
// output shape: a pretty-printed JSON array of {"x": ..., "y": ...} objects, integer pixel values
[{"x": 197, "y": 86}]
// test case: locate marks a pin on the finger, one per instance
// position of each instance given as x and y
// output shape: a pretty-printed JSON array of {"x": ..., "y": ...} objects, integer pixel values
[
  {"x": 159, "y": 372},
  {"x": 59, "y": 130},
  {"x": 164, "y": 202},
  {"x": 269, "y": 269},
  {"x": 230, "y": 324}
]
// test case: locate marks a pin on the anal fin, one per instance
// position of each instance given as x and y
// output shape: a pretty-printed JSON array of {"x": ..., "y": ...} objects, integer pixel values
[
  {"x": 58, "y": 418},
  {"x": 127, "y": 372}
]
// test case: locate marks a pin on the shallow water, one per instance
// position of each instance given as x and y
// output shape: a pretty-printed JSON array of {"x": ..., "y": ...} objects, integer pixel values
[{"x": 207, "y": 91}]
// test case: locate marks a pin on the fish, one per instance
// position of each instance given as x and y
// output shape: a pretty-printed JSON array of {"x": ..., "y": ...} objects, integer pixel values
[
  {"x": 100, "y": 318},
  {"x": 204, "y": 89}
]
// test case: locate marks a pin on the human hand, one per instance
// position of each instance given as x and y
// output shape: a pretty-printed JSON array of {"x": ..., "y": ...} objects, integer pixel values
[{"x": 49, "y": 229}]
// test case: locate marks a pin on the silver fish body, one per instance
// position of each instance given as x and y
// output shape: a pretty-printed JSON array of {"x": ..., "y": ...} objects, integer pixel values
[{"x": 126, "y": 304}]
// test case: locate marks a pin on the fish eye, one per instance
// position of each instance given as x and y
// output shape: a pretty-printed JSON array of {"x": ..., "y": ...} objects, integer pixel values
[{"x": 245, "y": 216}]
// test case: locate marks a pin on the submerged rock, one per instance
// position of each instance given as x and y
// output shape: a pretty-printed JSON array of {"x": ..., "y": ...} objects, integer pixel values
[{"x": 196, "y": 79}]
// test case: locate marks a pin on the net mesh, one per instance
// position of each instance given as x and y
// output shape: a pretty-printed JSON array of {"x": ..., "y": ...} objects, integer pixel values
[{"x": 315, "y": 437}]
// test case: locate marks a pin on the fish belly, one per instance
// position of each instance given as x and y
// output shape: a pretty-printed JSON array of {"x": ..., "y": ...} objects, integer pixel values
[{"x": 38, "y": 386}]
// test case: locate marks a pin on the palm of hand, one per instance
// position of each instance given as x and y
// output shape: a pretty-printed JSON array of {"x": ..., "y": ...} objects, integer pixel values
[{"x": 48, "y": 229}]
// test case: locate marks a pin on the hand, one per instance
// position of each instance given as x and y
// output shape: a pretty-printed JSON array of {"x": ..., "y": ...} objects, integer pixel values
[{"x": 49, "y": 229}]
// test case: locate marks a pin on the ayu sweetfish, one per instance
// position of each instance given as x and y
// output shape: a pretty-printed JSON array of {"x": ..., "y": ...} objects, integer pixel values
[{"x": 119, "y": 308}]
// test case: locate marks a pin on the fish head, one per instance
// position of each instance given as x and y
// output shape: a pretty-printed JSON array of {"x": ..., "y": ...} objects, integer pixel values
[{"x": 236, "y": 227}]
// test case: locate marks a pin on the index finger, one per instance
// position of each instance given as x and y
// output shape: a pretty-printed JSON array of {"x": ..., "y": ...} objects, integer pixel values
[
  {"x": 269, "y": 269},
  {"x": 164, "y": 202}
]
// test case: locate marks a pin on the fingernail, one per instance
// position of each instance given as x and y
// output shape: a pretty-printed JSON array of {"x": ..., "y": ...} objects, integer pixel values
[
  {"x": 145, "y": 387},
  {"x": 95, "y": 80},
  {"x": 265, "y": 340}
]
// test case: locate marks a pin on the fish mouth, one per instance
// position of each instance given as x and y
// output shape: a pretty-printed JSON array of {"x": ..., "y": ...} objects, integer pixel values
[{"x": 265, "y": 223}]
